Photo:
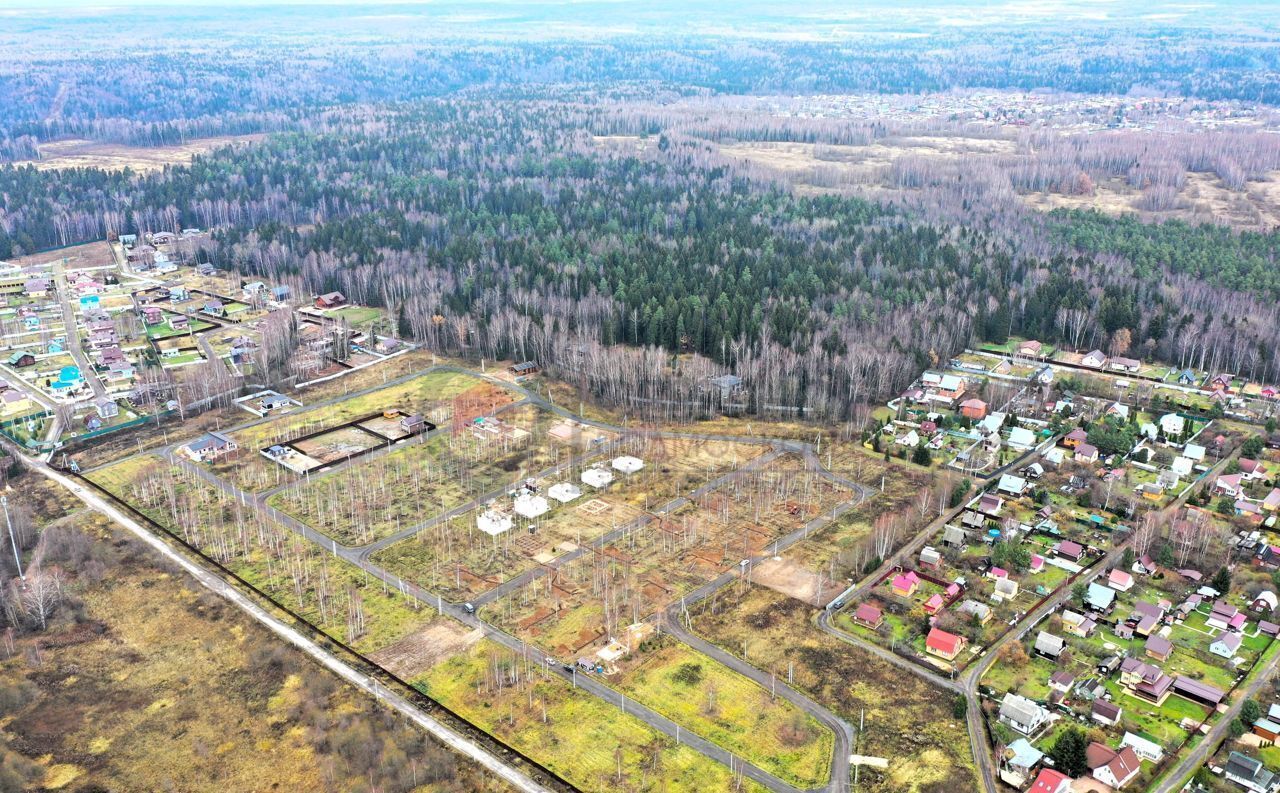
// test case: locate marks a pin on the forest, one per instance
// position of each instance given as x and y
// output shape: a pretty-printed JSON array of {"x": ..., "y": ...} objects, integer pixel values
[
  {"x": 579, "y": 202},
  {"x": 499, "y": 229}
]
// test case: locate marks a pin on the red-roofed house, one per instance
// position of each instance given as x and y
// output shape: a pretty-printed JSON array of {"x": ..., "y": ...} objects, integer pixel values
[
  {"x": 974, "y": 409},
  {"x": 1113, "y": 768},
  {"x": 934, "y": 604},
  {"x": 868, "y": 615},
  {"x": 1050, "y": 781},
  {"x": 905, "y": 584},
  {"x": 943, "y": 644}
]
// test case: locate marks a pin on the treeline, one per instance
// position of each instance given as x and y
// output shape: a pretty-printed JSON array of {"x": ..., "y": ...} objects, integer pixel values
[
  {"x": 500, "y": 229},
  {"x": 222, "y": 80}
]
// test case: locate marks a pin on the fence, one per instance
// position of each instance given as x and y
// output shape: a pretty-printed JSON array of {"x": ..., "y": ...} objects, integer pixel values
[{"x": 540, "y": 773}]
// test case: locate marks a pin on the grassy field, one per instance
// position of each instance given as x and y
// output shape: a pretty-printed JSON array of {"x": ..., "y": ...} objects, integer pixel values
[
  {"x": 333, "y": 594},
  {"x": 587, "y": 741},
  {"x": 145, "y": 681},
  {"x": 430, "y": 394},
  {"x": 907, "y": 721},
  {"x": 374, "y": 498},
  {"x": 731, "y": 711}
]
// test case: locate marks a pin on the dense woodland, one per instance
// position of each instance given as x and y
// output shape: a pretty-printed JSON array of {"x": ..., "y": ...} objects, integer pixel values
[
  {"x": 499, "y": 229},
  {"x": 466, "y": 189}
]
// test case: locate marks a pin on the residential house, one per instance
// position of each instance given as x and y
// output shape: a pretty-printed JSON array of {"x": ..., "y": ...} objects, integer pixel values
[
  {"x": 254, "y": 289},
  {"x": 934, "y": 604},
  {"x": 1074, "y": 438},
  {"x": 979, "y": 611},
  {"x": 1005, "y": 589},
  {"x": 414, "y": 423},
  {"x": 1159, "y": 648},
  {"x": 1112, "y": 768},
  {"x": 1120, "y": 364},
  {"x": 930, "y": 558},
  {"x": 1051, "y": 781},
  {"x": 179, "y": 322},
  {"x": 1225, "y": 645},
  {"x": 1145, "y": 681},
  {"x": 1172, "y": 425},
  {"x": 106, "y": 407},
  {"x": 1018, "y": 761},
  {"x": 1119, "y": 580},
  {"x": 1070, "y": 550},
  {"x": 1249, "y": 773},
  {"x": 1106, "y": 713},
  {"x": 1048, "y": 645},
  {"x": 869, "y": 616},
  {"x": 1086, "y": 453},
  {"x": 19, "y": 359},
  {"x": 1013, "y": 485},
  {"x": 1267, "y": 730},
  {"x": 214, "y": 308},
  {"x": 1265, "y": 601},
  {"x": 974, "y": 409},
  {"x": 1221, "y": 615},
  {"x": 1021, "y": 439},
  {"x": 1094, "y": 359},
  {"x": 944, "y": 645},
  {"x": 210, "y": 446},
  {"x": 1229, "y": 485},
  {"x": 1078, "y": 624},
  {"x": 956, "y": 537},
  {"x": 330, "y": 300},
  {"x": 990, "y": 504},
  {"x": 905, "y": 584},
  {"x": 152, "y": 315},
  {"x": 1062, "y": 681},
  {"x": 1023, "y": 715},
  {"x": 1030, "y": 348}
]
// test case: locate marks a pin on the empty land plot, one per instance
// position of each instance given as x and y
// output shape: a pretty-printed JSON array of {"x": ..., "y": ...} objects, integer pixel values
[
  {"x": 651, "y": 565},
  {"x": 905, "y": 720},
  {"x": 338, "y": 444},
  {"x": 332, "y": 594},
  {"x": 377, "y": 497},
  {"x": 423, "y": 649},
  {"x": 589, "y": 742},
  {"x": 675, "y": 466},
  {"x": 731, "y": 711},
  {"x": 455, "y": 559}
]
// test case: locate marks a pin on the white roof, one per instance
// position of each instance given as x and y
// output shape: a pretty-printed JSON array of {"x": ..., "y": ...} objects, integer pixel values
[
  {"x": 530, "y": 506},
  {"x": 564, "y": 492},
  {"x": 993, "y": 422},
  {"x": 1193, "y": 450},
  {"x": 1182, "y": 465},
  {"x": 1055, "y": 455},
  {"x": 1172, "y": 423},
  {"x": 910, "y": 439},
  {"x": 1023, "y": 437},
  {"x": 1142, "y": 745},
  {"x": 1012, "y": 484},
  {"x": 949, "y": 382},
  {"x": 597, "y": 477},
  {"x": 627, "y": 464},
  {"x": 493, "y": 522}
]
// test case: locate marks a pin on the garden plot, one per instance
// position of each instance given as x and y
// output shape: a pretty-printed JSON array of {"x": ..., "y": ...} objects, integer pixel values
[
  {"x": 336, "y": 596},
  {"x": 584, "y": 739},
  {"x": 429, "y": 395},
  {"x": 339, "y": 444},
  {"x": 902, "y": 718},
  {"x": 387, "y": 493},
  {"x": 729, "y": 710},
  {"x": 651, "y": 565}
]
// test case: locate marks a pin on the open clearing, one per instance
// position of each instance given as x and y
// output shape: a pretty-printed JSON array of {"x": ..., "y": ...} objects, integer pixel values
[
  {"x": 587, "y": 741},
  {"x": 78, "y": 153},
  {"x": 907, "y": 720}
]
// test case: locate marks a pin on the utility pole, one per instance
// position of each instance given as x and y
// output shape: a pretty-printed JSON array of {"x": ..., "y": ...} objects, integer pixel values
[{"x": 4, "y": 502}]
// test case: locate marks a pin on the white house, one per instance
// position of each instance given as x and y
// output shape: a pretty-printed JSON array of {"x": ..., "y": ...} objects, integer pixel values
[
  {"x": 527, "y": 505},
  {"x": 627, "y": 464},
  {"x": 493, "y": 522},
  {"x": 1022, "y": 715},
  {"x": 564, "y": 492},
  {"x": 1172, "y": 425},
  {"x": 1021, "y": 439},
  {"x": 1150, "y": 751}
]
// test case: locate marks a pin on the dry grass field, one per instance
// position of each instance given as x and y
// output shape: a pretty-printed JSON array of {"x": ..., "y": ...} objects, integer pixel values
[
  {"x": 78, "y": 153},
  {"x": 906, "y": 720}
]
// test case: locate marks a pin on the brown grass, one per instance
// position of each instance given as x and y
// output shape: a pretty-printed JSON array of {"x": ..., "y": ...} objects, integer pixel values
[{"x": 78, "y": 153}]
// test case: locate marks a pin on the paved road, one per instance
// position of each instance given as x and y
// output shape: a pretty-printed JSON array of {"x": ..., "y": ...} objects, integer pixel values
[{"x": 444, "y": 733}]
